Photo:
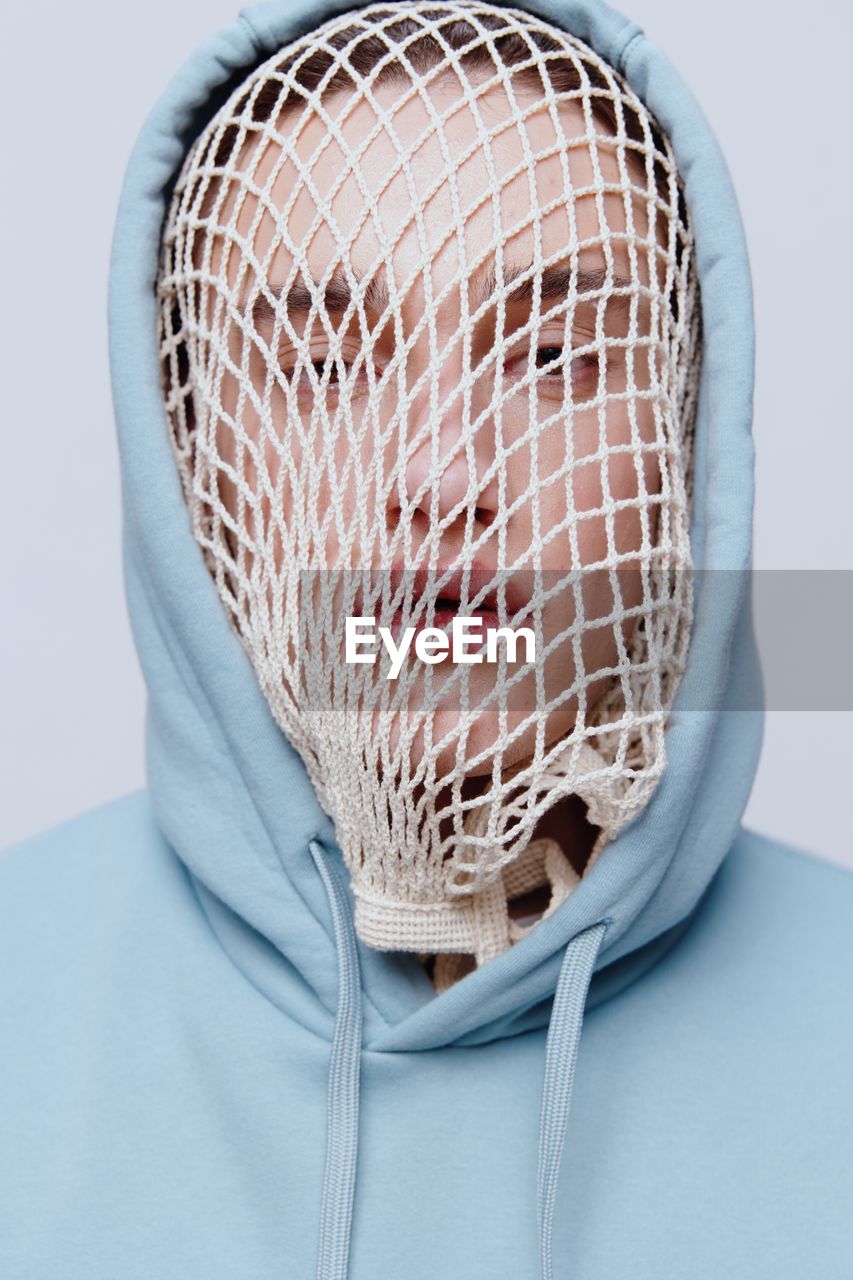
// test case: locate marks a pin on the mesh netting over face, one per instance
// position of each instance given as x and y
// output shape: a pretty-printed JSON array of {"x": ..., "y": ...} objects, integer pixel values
[{"x": 429, "y": 343}]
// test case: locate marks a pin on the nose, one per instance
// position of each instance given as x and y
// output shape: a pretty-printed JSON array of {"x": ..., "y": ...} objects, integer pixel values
[
  {"x": 439, "y": 482},
  {"x": 446, "y": 468}
]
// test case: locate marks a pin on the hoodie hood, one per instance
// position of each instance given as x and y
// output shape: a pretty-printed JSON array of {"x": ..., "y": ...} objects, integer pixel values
[{"x": 232, "y": 796}]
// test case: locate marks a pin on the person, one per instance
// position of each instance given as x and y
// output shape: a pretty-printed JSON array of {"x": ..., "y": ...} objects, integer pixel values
[{"x": 436, "y": 962}]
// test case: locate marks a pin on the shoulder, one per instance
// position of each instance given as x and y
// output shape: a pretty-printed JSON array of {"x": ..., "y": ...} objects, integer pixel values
[
  {"x": 775, "y": 934},
  {"x": 66, "y": 888},
  {"x": 752, "y": 1008},
  {"x": 113, "y": 834},
  {"x": 790, "y": 883},
  {"x": 84, "y": 835}
]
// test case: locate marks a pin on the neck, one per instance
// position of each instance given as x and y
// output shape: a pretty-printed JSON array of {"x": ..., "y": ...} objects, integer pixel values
[{"x": 569, "y": 826}]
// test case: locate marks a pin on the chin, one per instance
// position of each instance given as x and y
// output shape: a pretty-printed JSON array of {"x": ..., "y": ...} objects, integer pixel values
[{"x": 485, "y": 739}]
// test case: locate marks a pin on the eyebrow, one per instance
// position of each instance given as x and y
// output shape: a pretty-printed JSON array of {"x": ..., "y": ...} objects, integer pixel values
[
  {"x": 337, "y": 297},
  {"x": 554, "y": 282}
]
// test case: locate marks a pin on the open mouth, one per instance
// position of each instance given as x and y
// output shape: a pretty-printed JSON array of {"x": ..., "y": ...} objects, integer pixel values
[
  {"x": 421, "y": 598},
  {"x": 442, "y": 616},
  {"x": 473, "y": 593}
]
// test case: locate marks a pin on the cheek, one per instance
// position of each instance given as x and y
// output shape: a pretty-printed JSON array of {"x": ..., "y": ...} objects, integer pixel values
[
  {"x": 250, "y": 489},
  {"x": 634, "y": 481},
  {"x": 610, "y": 494},
  {"x": 612, "y": 515},
  {"x": 224, "y": 452},
  {"x": 316, "y": 486}
]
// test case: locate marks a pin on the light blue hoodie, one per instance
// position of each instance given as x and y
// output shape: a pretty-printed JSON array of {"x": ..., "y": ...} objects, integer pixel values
[{"x": 204, "y": 1074}]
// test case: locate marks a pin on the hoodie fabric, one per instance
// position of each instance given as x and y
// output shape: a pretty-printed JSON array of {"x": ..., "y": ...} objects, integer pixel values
[{"x": 204, "y": 1073}]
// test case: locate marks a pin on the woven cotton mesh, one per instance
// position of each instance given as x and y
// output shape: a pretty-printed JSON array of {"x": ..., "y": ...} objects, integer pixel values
[{"x": 429, "y": 340}]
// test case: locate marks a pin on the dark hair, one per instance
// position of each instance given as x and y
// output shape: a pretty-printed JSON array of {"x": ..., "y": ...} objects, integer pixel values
[{"x": 322, "y": 68}]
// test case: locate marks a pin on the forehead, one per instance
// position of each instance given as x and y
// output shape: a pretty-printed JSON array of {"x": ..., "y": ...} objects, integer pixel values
[{"x": 439, "y": 180}]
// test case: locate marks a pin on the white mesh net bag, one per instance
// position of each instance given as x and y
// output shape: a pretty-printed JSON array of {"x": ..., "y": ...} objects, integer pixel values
[{"x": 429, "y": 335}]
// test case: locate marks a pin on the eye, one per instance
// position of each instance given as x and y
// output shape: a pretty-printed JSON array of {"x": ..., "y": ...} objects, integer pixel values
[
  {"x": 295, "y": 369},
  {"x": 546, "y": 356},
  {"x": 331, "y": 373},
  {"x": 551, "y": 361},
  {"x": 585, "y": 366}
]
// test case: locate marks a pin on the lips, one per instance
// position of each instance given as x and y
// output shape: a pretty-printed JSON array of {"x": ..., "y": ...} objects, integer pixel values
[{"x": 477, "y": 582}]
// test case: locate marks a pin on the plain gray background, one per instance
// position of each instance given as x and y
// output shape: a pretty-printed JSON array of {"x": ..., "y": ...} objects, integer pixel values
[{"x": 77, "y": 84}]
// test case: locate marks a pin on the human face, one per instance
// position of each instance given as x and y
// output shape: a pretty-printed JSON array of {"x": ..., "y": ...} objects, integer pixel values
[{"x": 424, "y": 417}]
